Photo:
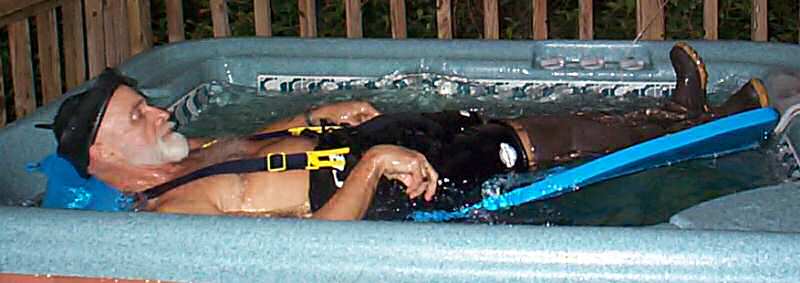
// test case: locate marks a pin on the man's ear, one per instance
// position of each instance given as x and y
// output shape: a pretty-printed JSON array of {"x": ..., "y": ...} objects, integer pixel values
[
  {"x": 99, "y": 150},
  {"x": 99, "y": 154}
]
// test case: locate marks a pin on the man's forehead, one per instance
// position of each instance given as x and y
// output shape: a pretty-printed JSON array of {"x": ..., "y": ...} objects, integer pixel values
[
  {"x": 115, "y": 119},
  {"x": 124, "y": 96}
]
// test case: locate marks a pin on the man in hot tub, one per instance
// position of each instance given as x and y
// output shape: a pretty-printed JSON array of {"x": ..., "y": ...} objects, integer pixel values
[{"x": 392, "y": 163}]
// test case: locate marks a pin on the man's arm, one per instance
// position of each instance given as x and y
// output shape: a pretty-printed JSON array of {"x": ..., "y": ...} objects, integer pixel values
[
  {"x": 347, "y": 112},
  {"x": 397, "y": 163}
]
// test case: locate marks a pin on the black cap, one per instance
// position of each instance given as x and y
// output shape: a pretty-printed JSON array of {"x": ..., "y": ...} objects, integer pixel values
[{"x": 79, "y": 118}]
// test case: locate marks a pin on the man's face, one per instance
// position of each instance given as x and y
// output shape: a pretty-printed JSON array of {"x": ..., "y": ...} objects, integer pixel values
[{"x": 139, "y": 133}]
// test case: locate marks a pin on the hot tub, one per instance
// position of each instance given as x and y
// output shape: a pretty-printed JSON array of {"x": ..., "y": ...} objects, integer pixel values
[{"x": 750, "y": 236}]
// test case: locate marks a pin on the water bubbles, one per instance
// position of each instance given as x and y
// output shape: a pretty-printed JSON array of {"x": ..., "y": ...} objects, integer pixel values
[
  {"x": 624, "y": 90},
  {"x": 505, "y": 91},
  {"x": 447, "y": 88},
  {"x": 535, "y": 91}
]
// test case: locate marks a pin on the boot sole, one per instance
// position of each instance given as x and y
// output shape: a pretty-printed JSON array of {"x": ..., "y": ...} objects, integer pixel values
[
  {"x": 701, "y": 67},
  {"x": 761, "y": 90}
]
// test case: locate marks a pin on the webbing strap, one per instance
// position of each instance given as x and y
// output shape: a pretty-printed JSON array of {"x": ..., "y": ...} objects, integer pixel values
[
  {"x": 296, "y": 131},
  {"x": 273, "y": 162}
]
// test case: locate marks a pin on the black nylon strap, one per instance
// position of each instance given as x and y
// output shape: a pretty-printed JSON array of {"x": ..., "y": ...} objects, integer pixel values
[
  {"x": 293, "y": 162},
  {"x": 276, "y": 164},
  {"x": 270, "y": 135}
]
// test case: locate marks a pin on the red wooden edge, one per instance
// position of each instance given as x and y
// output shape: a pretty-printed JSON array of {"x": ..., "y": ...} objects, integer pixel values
[{"x": 41, "y": 278}]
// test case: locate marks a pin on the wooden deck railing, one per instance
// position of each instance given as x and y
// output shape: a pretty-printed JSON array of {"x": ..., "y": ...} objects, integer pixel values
[{"x": 100, "y": 33}]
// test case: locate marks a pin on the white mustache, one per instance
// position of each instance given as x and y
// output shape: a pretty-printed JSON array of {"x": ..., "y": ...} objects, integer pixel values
[
  {"x": 168, "y": 127},
  {"x": 174, "y": 147}
]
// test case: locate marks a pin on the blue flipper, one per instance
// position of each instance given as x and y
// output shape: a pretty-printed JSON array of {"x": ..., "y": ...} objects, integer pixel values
[{"x": 737, "y": 132}]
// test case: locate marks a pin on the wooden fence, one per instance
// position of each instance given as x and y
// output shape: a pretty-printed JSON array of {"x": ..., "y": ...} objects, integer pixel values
[{"x": 99, "y": 33}]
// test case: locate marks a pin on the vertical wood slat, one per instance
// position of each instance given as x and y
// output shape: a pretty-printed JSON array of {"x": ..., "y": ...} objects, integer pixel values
[
  {"x": 49, "y": 56},
  {"x": 586, "y": 20},
  {"x": 711, "y": 19},
  {"x": 3, "y": 114},
  {"x": 116, "y": 32},
  {"x": 444, "y": 19},
  {"x": 263, "y": 14},
  {"x": 175, "y": 21},
  {"x": 95, "y": 36},
  {"x": 141, "y": 32},
  {"x": 109, "y": 32},
  {"x": 399, "y": 27},
  {"x": 491, "y": 21},
  {"x": 353, "y": 15},
  {"x": 308, "y": 18},
  {"x": 650, "y": 19},
  {"x": 759, "y": 21},
  {"x": 539, "y": 19},
  {"x": 19, "y": 43},
  {"x": 74, "y": 58},
  {"x": 219, "y": 18}
]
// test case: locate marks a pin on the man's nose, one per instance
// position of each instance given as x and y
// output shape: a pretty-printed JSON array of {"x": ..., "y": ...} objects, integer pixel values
[{"x": 157, "y": 114}]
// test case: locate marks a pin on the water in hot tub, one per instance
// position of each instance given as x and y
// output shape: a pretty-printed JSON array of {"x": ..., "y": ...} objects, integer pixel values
[{"x": 644, "y": 198}]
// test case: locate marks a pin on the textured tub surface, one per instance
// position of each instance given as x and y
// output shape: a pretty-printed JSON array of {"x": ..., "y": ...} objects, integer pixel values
[
  {"x": 775, "y": 209},
  {"x": 231, "y": 249}
]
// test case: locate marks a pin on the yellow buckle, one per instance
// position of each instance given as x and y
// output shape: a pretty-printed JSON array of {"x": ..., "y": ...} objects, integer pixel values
[
  {"x": 208, "y": 144},
  {"x": 296, "y": 131},
  {"x": 269, "y": 162},
  {"x": 334, "y": 158}
]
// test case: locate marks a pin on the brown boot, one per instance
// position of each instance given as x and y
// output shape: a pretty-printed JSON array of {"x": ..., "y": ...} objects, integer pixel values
[
  {"x": 691, "y": 79},
  {"x": 751, "y": 96}
]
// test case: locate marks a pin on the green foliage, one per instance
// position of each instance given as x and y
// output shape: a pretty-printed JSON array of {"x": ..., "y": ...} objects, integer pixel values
[{"x": 613, "y": 19}]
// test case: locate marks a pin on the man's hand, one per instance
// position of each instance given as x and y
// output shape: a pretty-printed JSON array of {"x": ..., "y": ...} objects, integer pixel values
[
  {"x": 407, "y": 166},
  {"x": 394, "y": 162},
  {"x": 347, "y": 112}
]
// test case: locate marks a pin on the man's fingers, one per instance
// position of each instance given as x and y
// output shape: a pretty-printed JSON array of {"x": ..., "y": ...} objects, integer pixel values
[
  {"x": 417, "y": 188},
  {"x": 406, "y": 179},
  {"x": 413, "y": 170},
  {"x": 372, "y": 113},
  {"x": 432, "y": 183},
  {"x": 412, "y": 183}
]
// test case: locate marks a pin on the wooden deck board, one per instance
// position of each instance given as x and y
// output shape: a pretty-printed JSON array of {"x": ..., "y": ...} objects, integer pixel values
[
  {"x": 539, "y": 19},
  {"x": 19, "y": 42},
  {"x": 175, "y": 28},
  {"x": 399, "y": 25},
  {"x": 219, "y": 18},
  {"x": 74, "y": 47},
  {"x": 353, "y": 23},
  {"x": 263, "y": 17},
  {"x": 49, "y": 56},
  {"x": 444, "y": 19}
]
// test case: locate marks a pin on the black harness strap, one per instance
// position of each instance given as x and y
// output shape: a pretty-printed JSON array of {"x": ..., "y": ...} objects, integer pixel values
[
  {"x": 270, "y": 135},
  {"x": 273, "y": 162},
  {"x": 277, "y": 162}
]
